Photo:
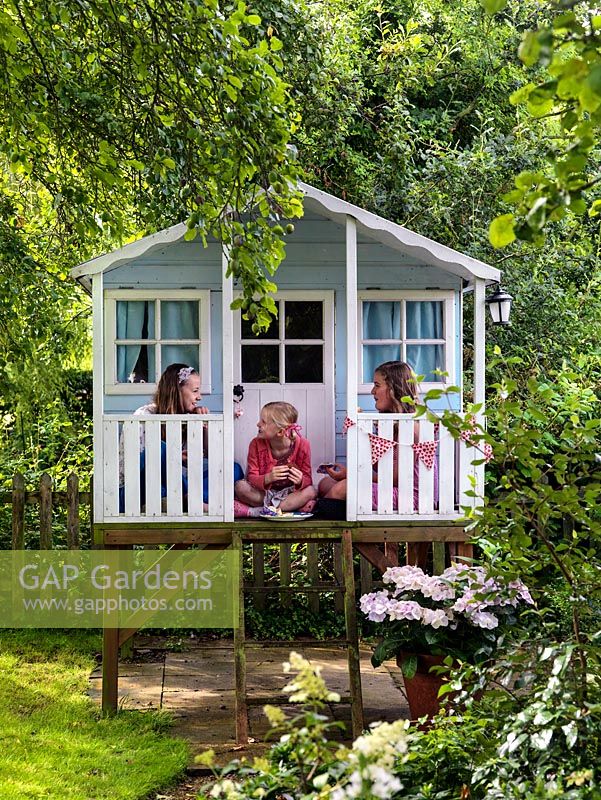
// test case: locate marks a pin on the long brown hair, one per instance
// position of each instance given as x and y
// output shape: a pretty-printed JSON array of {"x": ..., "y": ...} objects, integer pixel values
[
  {"x": 167, "y": 397},
  {"x": 401, "y": 382}
]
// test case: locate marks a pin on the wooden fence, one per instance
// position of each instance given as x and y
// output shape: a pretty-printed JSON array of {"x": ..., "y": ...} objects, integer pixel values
[
  {"x": 264, "y": 557},
  {"x": 47, "y": 499}
]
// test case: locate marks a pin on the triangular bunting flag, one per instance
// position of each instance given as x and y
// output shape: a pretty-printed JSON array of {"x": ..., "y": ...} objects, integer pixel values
[
  {"x": 467, "y": 437},
  {"x": 348, "y": 423},
  {"x": 379, "y": 446},
  {"x": 426, "y": 451}
]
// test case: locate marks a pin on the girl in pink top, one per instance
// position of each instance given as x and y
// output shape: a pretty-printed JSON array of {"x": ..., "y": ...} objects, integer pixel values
[{"x": 278, "y": 471}]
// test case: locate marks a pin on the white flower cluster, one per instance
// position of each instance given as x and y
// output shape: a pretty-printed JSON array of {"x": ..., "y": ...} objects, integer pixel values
[
  {"x": 371, "y": 760},
  {"x": 308, "y": 684},
  {"x": 460, "y": 590},
  {"x": 226, "y": 790},
  {"x": 384, "y": 743},
  {"x": 370, "y": 781}
]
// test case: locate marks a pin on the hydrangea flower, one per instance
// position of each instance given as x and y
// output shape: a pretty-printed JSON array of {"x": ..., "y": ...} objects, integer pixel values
[{"x": 455, "y": 612}]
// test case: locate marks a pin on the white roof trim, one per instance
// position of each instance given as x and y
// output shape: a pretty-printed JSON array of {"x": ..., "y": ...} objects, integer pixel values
[
  {"x": 135, "y": 249},
  {"x": 382, "y": 230},
  {"x": 393, "y": 235}
]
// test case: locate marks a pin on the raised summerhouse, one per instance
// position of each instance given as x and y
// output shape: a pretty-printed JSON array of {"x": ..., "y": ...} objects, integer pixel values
[{"x": 354, "y": 290}]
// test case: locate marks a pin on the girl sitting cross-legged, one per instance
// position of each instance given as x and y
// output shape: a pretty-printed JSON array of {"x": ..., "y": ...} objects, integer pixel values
[{"x": 278, "y": 469}]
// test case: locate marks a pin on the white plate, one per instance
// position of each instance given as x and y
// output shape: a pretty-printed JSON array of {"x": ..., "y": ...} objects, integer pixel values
[{"x": 288, "y": 516}]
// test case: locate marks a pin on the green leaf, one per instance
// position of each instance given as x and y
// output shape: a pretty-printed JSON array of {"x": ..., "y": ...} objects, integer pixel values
[
  {"x": 493, "y": 6},
  {"x": 409, "y": 666},
  {"x": 595, "y": 208},
  {"x": 537, "y": 215},
  {"x": 541, "y": 739},
  {"x": 501, "y": 231},
  {"x": 593, "y": 79},
  {"x": 521, "y": 95},
  {"x": 571, "y": 733},
  {"x": 529, "y": 49}
]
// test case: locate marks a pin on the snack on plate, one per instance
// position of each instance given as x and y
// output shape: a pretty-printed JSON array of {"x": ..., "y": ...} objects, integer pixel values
[{"x": 276, "y": 511}]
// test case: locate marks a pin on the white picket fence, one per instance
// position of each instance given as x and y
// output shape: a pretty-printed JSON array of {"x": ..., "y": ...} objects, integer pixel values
[
  {"x": 161, "y": 439},
  {"x": 421, "y": 493},
  {"x": 436, "y": 493}
]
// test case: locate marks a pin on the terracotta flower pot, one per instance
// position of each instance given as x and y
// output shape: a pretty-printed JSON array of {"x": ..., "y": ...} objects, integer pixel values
[{"x": 422, "y": 689}]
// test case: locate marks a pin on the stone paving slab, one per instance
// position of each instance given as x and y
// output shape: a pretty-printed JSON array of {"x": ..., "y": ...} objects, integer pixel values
[{"x": 197, "y": 687}]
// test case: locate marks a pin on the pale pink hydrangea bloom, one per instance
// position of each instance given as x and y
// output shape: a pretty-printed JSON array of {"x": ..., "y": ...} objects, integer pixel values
[
  {"x": 435, "y": 617},
  {"x": 405, "y": 609},
  {"x": 484, "y": 619}
]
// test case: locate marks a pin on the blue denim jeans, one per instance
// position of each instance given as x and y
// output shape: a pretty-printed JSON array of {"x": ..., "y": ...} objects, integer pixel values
[{"x": 238, "y": 474}]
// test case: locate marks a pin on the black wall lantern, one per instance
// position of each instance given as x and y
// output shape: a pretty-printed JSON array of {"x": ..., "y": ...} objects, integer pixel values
[{"x": 499, "y": 305}]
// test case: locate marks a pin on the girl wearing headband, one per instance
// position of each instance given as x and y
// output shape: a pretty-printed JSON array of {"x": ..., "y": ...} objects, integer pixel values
[
  {"x": 177, "y": 392},
  {"x": 278, "y": 466}
]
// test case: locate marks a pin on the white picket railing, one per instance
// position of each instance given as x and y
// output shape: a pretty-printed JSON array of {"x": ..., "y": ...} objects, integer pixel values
[
  {"x": 167, "y": 445},
  {"x": 436, "y": 493},
  {"x": 156, "y": 493}
]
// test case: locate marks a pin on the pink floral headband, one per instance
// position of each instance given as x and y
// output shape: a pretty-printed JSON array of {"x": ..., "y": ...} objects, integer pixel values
[{"x": 184, "y": 374}]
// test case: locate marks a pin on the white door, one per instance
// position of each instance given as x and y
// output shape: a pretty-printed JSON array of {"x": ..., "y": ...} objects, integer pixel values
[{"x": 292, "y": 361}]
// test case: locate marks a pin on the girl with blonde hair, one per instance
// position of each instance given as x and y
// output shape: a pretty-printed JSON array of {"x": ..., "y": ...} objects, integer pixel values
[{"x": 278, "y": 469}]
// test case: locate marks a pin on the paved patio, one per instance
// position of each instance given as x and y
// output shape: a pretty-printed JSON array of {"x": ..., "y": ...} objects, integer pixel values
[{"x": 196, "y": 685}]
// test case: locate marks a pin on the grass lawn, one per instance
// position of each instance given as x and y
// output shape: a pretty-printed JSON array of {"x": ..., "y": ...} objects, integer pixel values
[{"x": 53, "y": 741}]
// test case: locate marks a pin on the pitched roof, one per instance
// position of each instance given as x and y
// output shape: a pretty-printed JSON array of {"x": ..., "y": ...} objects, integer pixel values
[{"x": 315, "y": 200}]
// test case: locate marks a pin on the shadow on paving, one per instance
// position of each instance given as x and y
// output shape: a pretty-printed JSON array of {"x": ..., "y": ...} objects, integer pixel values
[{"x": 196, "y": 686}]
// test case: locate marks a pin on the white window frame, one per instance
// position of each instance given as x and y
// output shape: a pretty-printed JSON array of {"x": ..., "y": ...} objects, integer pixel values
[
  {"x": 294, "y": 296},
  {"x": 111, "y": 296},
  {"x": 449, "y": 331}
]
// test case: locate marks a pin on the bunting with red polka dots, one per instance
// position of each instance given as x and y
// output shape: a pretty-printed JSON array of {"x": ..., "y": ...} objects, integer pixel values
[
  {"x": 426, "y": 451},
  {"x": 348, "y": 423},
  {"x": 379, "y": 445},
  {"x": 467, "y": 437}
]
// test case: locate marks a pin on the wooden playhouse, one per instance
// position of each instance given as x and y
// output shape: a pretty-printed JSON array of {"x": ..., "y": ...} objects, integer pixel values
[{"x": 354, "y": 290}]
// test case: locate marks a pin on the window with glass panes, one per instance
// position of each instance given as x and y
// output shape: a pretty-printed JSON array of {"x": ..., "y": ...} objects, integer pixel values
[
  {"x": 407, "y": 328},
  {"x": 291, "y": 350},
  {"x": 145, "y": 334}
]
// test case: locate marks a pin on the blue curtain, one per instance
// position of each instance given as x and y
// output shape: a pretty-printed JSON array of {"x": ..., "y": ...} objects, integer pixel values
[
  {"x": 382, "y": 320},
  {"x": 179, "y": 321},
  {"x": 425, "y": 358},
  {"x": 130, "y": 325},
  {"x": 425, "y": 321}
]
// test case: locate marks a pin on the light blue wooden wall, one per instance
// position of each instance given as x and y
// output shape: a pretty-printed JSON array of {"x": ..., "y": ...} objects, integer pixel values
[{"x": 315, "y": 259}]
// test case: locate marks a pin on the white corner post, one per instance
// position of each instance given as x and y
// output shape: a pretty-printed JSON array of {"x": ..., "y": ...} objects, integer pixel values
[
  {"x": 479, "y": 342},
  {"x": 227, "y": 327},
  {"x": 98, "y": 393},
  {"x": 480, "y": 366},
  {"x": 352, "y": 349}
]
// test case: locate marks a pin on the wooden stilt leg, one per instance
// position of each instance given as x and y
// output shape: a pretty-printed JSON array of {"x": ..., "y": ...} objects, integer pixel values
[
  {"x": 350, "y": 615},
  {"x": 391, "y": 551},
  {"x": 465, "y": 551},
  {"x": 417, "y": 554},
  {"x": 438, "y": 557},
  {"x": 240, "y": 654},
  {"x": 110, "y": 670}
]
